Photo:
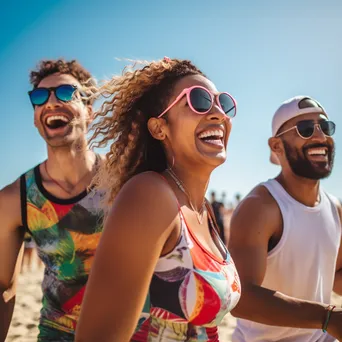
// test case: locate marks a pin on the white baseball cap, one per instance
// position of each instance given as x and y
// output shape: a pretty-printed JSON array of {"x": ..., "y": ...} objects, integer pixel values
[{"x": 290, "y": 109}]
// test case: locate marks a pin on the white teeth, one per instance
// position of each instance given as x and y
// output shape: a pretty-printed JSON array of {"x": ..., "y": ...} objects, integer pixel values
[
  {"x": 57, "y": 117},
  {"x": 216, "y": 133},
  {"x": 317, "y": 151}
]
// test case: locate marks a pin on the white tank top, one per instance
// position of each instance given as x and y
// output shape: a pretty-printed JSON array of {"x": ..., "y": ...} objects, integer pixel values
[{"x": 302, "y": 265}]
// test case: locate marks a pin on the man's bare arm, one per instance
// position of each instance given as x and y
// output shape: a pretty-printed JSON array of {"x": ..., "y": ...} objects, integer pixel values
[
  {"x": 11, "y": 240},
  {"x": 338, "y": 274},
  {"x": 253, "y": 224}
]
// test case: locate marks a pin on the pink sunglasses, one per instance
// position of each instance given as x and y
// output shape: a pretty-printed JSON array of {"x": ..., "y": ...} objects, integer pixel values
[{"x": 200, "y": 100}]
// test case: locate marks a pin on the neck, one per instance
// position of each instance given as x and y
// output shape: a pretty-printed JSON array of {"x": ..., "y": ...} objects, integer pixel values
[
  {"x": 195, "y": 184},
  {"x": 69, "y": 164},
  {"x": 304, "y": 190}
]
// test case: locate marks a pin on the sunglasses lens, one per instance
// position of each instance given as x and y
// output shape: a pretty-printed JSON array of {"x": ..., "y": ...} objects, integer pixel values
[
  {"x": 227, "y": 105},
  {"x": 39, "y": 96},
  {"x": 65, "y": 92},
  {"x": 328, "y": 127},
  {"x": 306, "y": 128},
  {"x": 200, "y": 100}
]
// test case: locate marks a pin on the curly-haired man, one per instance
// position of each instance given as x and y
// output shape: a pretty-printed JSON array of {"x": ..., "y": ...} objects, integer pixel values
[{"x": 53, "y": 201}]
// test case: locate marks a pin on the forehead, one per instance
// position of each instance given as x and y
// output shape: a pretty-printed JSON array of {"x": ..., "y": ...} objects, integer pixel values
[
  {"x": 192, "y": 80},
  {"x": 316, "y": 117},
  {"x": 57, "y": 79}
]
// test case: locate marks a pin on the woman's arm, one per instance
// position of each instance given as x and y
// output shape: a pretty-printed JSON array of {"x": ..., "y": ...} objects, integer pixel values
[{"x": 143, "y": 215}]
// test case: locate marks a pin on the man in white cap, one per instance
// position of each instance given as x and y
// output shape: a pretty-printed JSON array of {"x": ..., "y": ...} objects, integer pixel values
[{"x": 286, "y": 236}]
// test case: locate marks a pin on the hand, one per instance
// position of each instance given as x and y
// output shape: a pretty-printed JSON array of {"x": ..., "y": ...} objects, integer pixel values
[
  {"x": 10, "y": 293},
  {"x": 335, "y": 324}
]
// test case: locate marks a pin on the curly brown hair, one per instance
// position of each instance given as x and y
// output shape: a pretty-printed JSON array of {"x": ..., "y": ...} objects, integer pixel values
[
  {"x": 132, "y": 99},
  {"x": 48, "y": 67}
]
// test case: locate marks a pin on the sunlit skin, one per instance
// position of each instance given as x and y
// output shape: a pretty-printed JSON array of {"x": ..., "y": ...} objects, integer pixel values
[
  {"x": 153, "y": 232},
  {"x": 180, "y": 135},
  {"x": 257, "y": 227},
  {"x": 78, "y": 114},
  {"x": 66, "y": 173},
  {"x": 186, "y": 152},
  {"x": 292, "y": 148},
  {"x": 69, "y": 160}
]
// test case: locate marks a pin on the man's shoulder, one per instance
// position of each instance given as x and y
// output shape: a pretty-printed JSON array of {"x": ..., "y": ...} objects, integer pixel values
[
  {"x": 10, "y": 201},
  {"x": 333, "y": 198},
  {"x": 336, "y": 201},
  {"x": 258, "y": 206},
  {"x": 10, "y": 195},
  {"x": 11, "y": 190},
  {"x": 260, "y": 195}
]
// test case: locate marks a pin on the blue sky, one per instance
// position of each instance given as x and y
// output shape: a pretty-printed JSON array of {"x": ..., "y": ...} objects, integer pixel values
[{"x": 262, "y": 52}]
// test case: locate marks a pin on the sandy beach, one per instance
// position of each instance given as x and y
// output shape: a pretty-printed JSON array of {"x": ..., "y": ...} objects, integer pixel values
[{"x": 28, "y": 303}]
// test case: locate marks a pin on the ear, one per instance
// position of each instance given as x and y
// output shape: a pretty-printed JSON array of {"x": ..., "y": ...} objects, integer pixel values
[
  {"x": 276, "y": 146},
  {"x": 90, "y": 113},
  {"x": 157, "y": 128},
  {"x": 35, "y": 119}
]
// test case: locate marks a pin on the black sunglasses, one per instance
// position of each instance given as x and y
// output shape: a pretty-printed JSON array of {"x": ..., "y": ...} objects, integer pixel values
[
  {"x": 306, "y": 128},
  {"x": 64, "y": 92}
]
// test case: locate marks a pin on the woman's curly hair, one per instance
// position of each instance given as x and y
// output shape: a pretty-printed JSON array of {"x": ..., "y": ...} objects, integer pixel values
[{"x": 132, "y": 99}]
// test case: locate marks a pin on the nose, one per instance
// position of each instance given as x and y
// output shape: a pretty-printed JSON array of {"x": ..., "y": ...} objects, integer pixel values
[
  {"x": 52, "y": 101},
  {"x": 318, "y": 134},
  {"x": 216, "y": 113}
]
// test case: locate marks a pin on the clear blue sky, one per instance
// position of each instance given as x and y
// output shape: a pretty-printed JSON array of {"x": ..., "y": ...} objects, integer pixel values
[{"x": 262, "y": 52}]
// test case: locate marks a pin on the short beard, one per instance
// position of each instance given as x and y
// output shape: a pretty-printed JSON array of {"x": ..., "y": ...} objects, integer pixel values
[{"x": 302, "y": 167}]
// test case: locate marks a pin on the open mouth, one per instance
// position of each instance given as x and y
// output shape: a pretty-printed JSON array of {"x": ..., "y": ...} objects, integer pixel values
[
  {"x": 319, "y": 154},
  {"x": 213, "y": 137},
  {"x": 57, "y": 121}
]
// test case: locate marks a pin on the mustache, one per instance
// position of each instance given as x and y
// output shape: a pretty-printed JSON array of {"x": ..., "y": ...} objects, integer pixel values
[{"x": 318, "y": 145}]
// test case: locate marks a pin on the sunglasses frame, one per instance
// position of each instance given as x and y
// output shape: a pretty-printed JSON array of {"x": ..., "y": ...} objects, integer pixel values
[
  {"x": 187, "y": 91},
  {"x": 50, "y": 90},
  {"x": 313, "y": 131}
]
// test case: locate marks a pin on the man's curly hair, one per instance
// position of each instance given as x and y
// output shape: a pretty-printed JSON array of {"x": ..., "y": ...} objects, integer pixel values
[
  {"x": 132, "y": 99},
  {"x": 49, "y": 67}
]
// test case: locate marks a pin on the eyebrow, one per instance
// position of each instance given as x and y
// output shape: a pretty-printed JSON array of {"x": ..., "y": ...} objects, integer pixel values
[
  {"x": 312, "y": 120},
  {"x": 308, "y": 120}
]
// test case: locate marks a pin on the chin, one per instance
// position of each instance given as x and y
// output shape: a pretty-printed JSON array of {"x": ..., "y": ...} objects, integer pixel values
[
  {"x": 211, "y": 156},
  {"x": 217, "y": 159},
  {"x": 313, "y": 173},
  {"x": 60, "y": 141}
]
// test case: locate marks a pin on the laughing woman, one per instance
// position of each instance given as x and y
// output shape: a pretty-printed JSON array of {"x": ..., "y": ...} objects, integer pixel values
[{"x": 161, "y": 272}]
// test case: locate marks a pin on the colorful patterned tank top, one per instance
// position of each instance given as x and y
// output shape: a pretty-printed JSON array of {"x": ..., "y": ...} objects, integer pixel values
[
  {"x": 66, "y": 233},
  {"x": 190, "y": 293}
]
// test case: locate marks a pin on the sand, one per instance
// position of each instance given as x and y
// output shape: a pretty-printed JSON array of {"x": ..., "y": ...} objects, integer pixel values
[{"x": 28, "y": 304}]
